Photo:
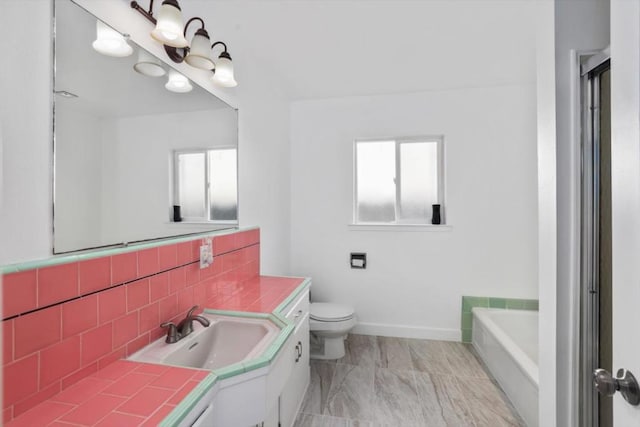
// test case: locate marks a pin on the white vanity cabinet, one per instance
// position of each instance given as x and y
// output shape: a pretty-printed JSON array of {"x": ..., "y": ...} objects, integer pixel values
[
  {"x": 297, "y": 346},
  {"x": 202, "y": 414}
]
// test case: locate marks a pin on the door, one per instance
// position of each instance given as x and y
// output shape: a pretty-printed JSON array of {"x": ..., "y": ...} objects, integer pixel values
[{"x": 625, "y": 200}]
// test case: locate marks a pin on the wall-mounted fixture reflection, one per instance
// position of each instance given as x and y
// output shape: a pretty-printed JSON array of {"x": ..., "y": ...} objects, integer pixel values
[
  {"x": 116, "y": 135},
  {"x": 149, "y": 65},
  {"x": 178, "y": 82},
  {"x": 110, "y": 42},
  {"x": 170, "y": 32}
]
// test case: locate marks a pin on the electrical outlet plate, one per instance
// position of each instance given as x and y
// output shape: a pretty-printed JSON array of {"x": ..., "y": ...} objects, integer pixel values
[{"x": 206, "y": 254}]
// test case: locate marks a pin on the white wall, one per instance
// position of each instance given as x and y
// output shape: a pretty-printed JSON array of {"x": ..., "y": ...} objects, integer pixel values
[
  {"x": 414, "y": 280},
  {"x": 580, "y": 26},
  {"x": 25, "y": 112}
]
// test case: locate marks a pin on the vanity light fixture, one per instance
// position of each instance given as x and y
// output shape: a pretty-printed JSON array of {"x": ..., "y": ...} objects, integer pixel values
[
  {"x": 169, "y": 31},
  {"x": 149, "y": 65},
  {"x": 110, "y": 42},
  {"x": 223, "y": 71},
  {"x": 178, "y": 82}
]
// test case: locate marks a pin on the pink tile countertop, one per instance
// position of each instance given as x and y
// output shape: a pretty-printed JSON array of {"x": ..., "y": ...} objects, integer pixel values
[{"x": 127, "y": 393}]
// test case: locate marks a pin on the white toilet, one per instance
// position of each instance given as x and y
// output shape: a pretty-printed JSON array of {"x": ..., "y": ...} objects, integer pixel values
[{"x": 329, "y": 325}]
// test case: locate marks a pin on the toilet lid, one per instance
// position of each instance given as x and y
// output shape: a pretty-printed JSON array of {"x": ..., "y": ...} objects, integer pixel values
[{"x": 330, "y": 312}]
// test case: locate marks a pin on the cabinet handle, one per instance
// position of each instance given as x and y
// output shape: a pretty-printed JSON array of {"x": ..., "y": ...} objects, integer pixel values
[
  {"x": 298, "y": 314},
  {"x": 298, "y": 352}
]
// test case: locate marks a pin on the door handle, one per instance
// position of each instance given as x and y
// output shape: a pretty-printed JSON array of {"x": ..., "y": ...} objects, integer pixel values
[{"x": 624, "y": 382}]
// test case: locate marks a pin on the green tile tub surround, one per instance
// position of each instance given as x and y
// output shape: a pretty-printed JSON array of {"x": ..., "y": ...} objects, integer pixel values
[{"x": 468, "y": 302}]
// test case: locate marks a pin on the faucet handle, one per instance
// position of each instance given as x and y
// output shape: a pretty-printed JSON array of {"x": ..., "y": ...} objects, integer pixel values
[{"x": 172, "y": 333}]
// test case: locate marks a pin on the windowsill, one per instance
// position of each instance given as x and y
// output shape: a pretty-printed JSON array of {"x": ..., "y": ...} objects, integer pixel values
[
  {"x": 208, "y": 223},
  {"x": 401, "y": 227}
]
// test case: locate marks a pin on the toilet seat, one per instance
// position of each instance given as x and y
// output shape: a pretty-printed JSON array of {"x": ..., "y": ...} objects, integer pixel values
[{"x": 327, "y": 312}]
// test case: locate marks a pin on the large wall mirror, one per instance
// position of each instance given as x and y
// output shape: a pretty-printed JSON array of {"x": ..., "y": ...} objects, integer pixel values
[{"x": 127, "y": 150}]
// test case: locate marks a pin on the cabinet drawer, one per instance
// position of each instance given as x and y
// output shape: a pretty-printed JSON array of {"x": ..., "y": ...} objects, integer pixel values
[{"x": 298, "y": 308}]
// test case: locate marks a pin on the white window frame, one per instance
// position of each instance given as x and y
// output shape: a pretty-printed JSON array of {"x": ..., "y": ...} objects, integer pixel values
[
  {"x": 207, "y": 201},
  {"x": 439, "y": 141}
]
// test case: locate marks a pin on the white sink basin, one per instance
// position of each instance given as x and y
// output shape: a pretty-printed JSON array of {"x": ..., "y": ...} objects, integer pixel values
[{"x": 226, "y": 341}]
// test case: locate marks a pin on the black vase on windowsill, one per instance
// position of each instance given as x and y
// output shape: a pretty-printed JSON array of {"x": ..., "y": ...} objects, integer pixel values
[
  {"x": 176, "y": 214},
  {"x": 435, "y": 217}
]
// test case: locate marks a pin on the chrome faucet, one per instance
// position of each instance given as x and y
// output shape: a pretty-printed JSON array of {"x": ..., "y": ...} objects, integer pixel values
[{"x": 176, "y": 332}]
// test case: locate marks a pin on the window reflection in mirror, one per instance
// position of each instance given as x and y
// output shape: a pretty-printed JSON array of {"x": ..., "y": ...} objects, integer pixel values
[{"x": 115, "y": 142}]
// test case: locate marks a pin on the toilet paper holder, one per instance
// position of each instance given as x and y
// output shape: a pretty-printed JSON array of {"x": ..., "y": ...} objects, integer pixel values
[{"x": 358, "y": 260}]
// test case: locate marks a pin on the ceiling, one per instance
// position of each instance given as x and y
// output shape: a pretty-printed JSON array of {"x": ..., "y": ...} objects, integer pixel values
[{"x": 337, "y": 48}]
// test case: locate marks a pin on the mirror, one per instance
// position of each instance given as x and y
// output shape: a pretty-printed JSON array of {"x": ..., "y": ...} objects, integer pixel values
[{"x": 126, "y": 149}]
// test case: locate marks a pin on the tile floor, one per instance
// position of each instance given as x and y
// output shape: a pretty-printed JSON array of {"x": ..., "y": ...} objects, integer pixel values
[{"x": 383, "y": 381}]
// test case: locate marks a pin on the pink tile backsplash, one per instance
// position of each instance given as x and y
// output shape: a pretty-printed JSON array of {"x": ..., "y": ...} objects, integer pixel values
[
  {"x": 94, "y": 275},
  {"x": 73, "y": 347},
  {"x": 36, "y": 331},
  {"x": 112, "y": 304},
  {"x": 57, "y": 283},
  {"x": 124, "y": 267},
  {"x": 168, "y": 256},
  {"x": 59, "y": 360},
  {"x": 20, "y": 380},
  {"x": 79, "y": 315},
  {"x": 19, "y": 292},
  {"x": 137, "y": 294},
  {"x": 97, "y": 343},
  {"x": 148, "y": 262}
]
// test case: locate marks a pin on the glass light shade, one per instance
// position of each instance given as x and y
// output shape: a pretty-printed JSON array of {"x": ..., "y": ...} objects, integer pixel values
[
  {"x": 223, "y": 74},
  {"x": 110, "y": 42},
  {"x": 200, "y": 53},
  {"x": 178, "y": 82},
  {"x": 169, "y": 26},
  {"x": 149, "y": 65}
]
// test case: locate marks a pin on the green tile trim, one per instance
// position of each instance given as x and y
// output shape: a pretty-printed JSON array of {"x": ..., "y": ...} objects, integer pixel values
[
  {"x": 232, "y": 313},
  {"x": 229, "y": 371},
  {"x": 99, "y": 253},
  {"x": 257, "y": 363},
  {"x": 468, "y": 302},
  {"x": 189, "y": 402},
  {"x": 293, "y": 295}
]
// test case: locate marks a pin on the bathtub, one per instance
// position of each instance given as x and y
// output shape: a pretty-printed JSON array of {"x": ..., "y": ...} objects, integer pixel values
[{"x": 507, "y": 342}]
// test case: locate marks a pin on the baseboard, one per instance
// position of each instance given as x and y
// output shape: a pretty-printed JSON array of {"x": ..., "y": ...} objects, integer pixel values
[{"x": 405, "y": 331}]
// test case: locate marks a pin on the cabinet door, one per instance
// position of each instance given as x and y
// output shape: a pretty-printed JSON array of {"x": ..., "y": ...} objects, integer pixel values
[
  {"x": 293, "y": 393},
  {"x": 273, "y": 419}
]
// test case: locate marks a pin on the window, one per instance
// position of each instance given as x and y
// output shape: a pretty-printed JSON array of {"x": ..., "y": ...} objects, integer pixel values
[
  {"x": 398, "y": 180},
  {"x": 205, "y": 185}
]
